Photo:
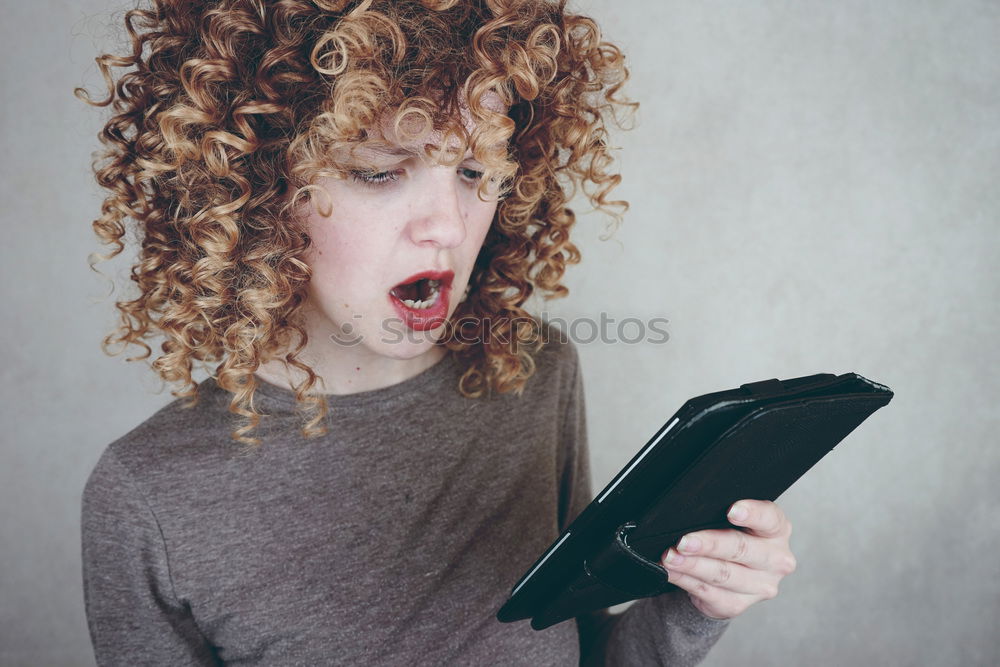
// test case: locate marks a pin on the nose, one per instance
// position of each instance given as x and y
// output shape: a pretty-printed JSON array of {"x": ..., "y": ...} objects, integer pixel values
[{"x": 439, "y": 218}]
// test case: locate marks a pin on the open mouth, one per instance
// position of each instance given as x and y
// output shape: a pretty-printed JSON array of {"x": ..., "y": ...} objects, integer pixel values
[
  {"x": 422, "y": 300},
  {"x": 422, "y": 294}
]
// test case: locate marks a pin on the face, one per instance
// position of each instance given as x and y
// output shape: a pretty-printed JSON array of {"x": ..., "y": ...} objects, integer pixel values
[{"x": 393, "y": 251}]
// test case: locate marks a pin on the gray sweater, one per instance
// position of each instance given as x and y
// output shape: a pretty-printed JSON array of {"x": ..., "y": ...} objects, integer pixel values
[{"x": 392, "y": 540}]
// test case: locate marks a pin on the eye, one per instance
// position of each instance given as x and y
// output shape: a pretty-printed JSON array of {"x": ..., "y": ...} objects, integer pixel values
[
  {"x": 470, "y": 174},
  {"x": 369, "y": 177}
]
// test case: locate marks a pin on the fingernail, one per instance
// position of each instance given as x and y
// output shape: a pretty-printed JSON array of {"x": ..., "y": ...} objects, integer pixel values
[
  {"x": 673, "y": 558},
  {"x": 738, "y": 512},
  {"x": 689, "y": 544}
]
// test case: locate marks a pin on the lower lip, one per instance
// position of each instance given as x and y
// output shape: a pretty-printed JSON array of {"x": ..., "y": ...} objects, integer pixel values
[{"x": 424, "y": 319}]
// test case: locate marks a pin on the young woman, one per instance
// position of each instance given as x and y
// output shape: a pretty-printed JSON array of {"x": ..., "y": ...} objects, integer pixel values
[{"x": 342, "y": 208}]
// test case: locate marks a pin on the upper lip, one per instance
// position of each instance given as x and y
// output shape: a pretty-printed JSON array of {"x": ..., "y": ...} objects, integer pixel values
[{"x": 445, "y": 277}]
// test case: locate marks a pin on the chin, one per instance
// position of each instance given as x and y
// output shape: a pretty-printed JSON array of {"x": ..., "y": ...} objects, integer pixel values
[{"x": 409, "y": 346}]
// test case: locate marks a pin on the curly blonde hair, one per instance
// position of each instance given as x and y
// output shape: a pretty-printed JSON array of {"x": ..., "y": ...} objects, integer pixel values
[{"x": 229, "y": 110}]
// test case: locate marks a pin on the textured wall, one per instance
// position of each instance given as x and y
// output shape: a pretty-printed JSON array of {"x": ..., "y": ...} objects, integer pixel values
[{"x": 813, "y": 190}]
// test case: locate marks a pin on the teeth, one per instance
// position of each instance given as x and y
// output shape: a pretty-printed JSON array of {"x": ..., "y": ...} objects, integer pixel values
[
  {"x": 424, "y": 305},
  {"x": 418, "y": 304}
]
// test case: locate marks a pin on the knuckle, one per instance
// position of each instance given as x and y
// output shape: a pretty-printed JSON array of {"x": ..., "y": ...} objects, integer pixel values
[
  {"x": 703, "y": 589},
  {"x": 723, "y": 574},
  {"x": 770, "y": 591},
  {"x": 731, "y": 610},
  {"x": 742, "y": 548},
  {"x": 790, "y": 564},
  {"x": 776, "y": 517}
]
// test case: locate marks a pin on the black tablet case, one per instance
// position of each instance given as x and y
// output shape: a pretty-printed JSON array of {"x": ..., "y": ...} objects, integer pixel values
[{"x": 751, "y": 442}]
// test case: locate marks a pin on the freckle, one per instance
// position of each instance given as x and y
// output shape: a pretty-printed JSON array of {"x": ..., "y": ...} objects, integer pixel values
[{"x": 357, "y": 368}]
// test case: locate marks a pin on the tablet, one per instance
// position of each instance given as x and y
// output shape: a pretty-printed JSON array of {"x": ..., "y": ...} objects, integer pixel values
[{"x": 751, "y": 442}]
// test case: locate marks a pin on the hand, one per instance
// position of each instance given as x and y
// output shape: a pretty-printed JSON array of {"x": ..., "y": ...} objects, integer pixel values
[{"x": 725, "y": 571}]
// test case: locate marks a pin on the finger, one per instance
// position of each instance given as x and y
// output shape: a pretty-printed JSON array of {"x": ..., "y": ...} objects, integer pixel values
[
  {"x": 711, "y": 600},
  {"x": 722, "y": 574},
  {"x": 732, "y": 545},
  {"x": 761, "y": 517}
]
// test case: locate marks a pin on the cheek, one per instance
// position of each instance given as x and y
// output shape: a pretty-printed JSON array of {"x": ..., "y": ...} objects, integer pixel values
[
  {"x": 480, "y": 217},
  {"x": 323, "y": 255},
  {"x": 478, "y": 224},
  {"x": 349, "y": 263},
  {"x": 329, "y": 257}
]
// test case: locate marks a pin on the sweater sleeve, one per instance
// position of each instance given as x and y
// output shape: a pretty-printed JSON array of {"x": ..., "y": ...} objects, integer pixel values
[
  {"x": 133, "y": 616},
  {"x": 663, "y": 630}
]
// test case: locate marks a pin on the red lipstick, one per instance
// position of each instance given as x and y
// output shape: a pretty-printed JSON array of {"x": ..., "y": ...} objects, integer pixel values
[{"x": 422, "y": 299}]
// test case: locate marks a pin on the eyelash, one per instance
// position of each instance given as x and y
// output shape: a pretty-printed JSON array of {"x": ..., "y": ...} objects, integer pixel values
[{"x": 377, "y": 178}]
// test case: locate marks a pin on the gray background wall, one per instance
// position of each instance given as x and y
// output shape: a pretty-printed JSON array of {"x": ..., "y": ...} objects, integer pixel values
[{"x": 813, "y": 189}]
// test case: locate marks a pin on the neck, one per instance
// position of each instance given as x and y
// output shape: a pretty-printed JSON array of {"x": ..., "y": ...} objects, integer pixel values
[{"x": 354, "y": 371}]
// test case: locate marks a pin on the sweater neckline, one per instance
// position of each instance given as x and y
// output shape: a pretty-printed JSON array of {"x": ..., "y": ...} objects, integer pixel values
[{"x": 273, "y": 395}]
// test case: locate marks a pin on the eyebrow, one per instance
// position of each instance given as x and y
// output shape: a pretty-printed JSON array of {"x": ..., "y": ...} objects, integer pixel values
[
  {"x": 393, "y": 150},
  {"x": 388, "y": 149}
]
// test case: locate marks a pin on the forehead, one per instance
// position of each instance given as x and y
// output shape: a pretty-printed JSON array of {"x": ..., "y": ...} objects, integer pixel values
[{"x": 413, "y": 133}]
